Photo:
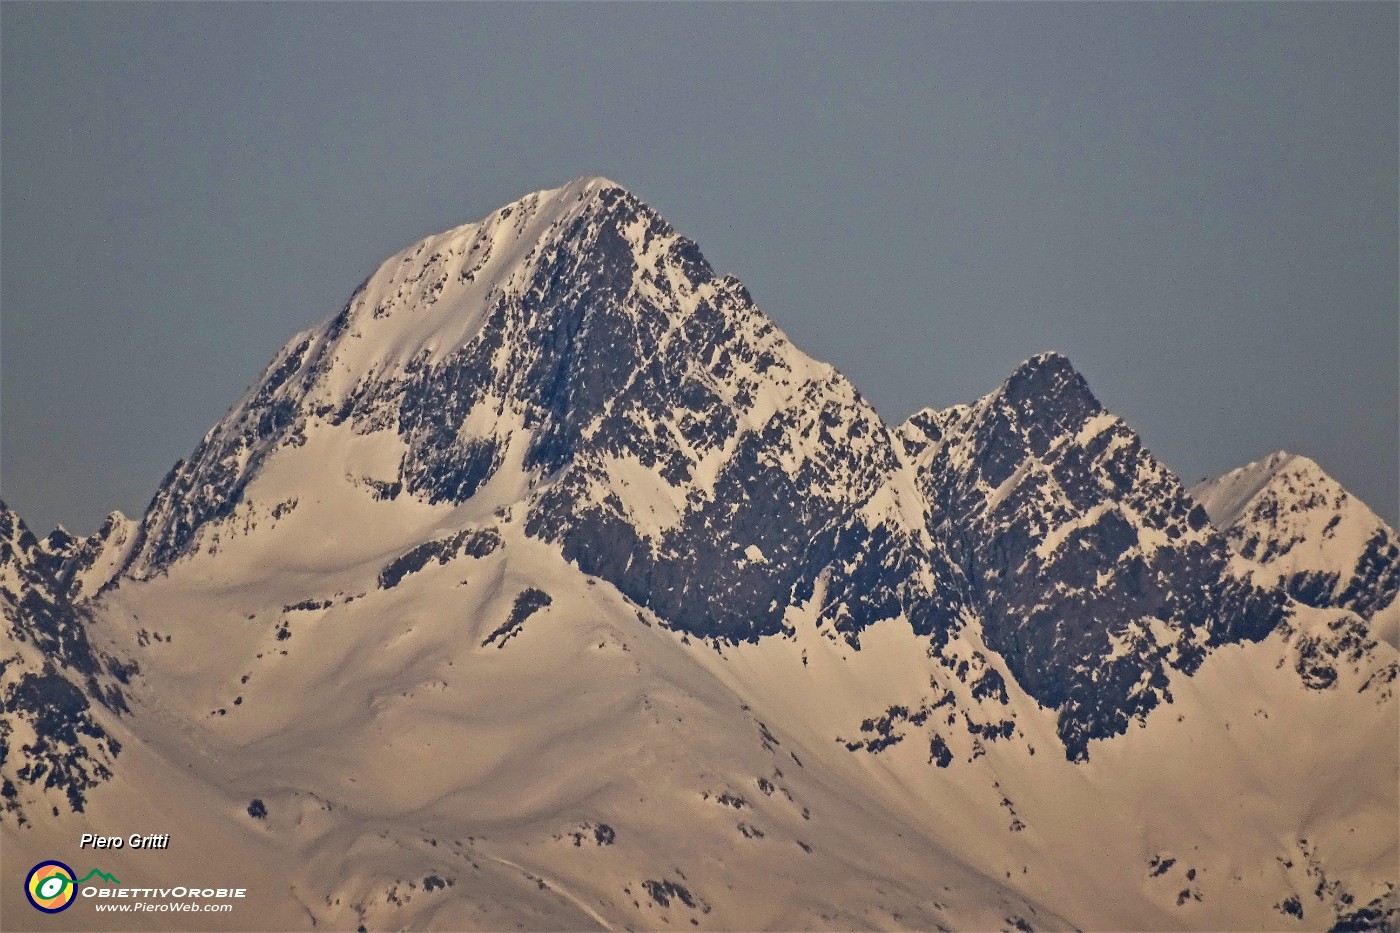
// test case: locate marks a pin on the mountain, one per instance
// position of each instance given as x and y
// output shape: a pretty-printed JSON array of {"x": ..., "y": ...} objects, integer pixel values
[
  {"x": 548, "y": 584},
  {"x": 574, "y": 352},
  {"x": 1299, "y": 530},
  {"x": 1095, "y": 573}
]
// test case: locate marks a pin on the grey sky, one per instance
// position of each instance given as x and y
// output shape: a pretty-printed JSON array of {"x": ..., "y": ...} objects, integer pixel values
[{"x": 1196, "y": 202}]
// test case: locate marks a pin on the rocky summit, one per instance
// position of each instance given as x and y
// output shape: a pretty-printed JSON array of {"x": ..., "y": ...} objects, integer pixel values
[{"x": 548, "y": 584}]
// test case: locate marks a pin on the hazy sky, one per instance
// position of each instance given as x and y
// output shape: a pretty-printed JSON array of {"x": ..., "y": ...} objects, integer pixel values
[{"x": 1196, "y": 202}]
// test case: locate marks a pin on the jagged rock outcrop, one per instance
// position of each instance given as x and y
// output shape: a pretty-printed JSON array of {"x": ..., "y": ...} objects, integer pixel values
[
  {"x": 52, "y": 680},
  {"x": 1095, "y": 573}
]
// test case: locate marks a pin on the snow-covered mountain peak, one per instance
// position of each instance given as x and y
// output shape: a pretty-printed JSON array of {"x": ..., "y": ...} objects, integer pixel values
[
  {"x": 431, "y": 298},
  {"x": 464, "y": 345},
  {"x": 1226, "y": 497},
  {"x": 59, "y": 540},
  {"x": 1097, "y": 576},
  {"x": 1297, "y": 527},
  {"x": 1050, "y": 372},
  {"x": 571, "y": 360},
  {"x": 1044, "y": 401},
  {"x": 1045, "y": 395}
]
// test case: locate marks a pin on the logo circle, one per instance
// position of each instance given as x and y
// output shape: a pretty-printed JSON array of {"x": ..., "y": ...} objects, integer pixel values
[{"x": 51, "y": 886}]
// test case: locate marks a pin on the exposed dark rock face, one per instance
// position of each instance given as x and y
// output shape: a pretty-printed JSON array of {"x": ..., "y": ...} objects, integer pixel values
[
  {"x": 663, "y": 892},
  {"x": 51, "y": 681},
  {"x": 1375, "y": 583},
  {"x": 70, "y": 750},
  {"x": 1094, "y": 572},
  {"x": 468, "y": 543},
  {"x": 527, "y": 603}
]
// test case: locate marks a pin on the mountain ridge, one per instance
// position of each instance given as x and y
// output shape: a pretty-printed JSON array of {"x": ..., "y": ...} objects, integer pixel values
[
  {"x": 550, "y": 535},
  {"x": 632, "y": 407}
]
